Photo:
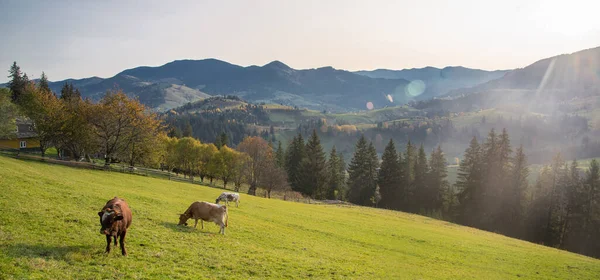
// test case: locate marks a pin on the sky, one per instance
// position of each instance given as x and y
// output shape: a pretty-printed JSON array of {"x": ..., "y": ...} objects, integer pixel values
[{"x": 77, "y": 39}]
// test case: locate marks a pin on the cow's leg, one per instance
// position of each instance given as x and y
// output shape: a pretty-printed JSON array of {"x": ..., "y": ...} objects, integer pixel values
[
  {"x": 115, "y": 240},
  {"x": 196, "y": 224},
  {"x": 237, "y": 203},
  {"x": 222, "y": 228},
  {"x": 202, "y": 223},
  {"x": 122, "y": 242},
  {"x": 108, "y": 243}
]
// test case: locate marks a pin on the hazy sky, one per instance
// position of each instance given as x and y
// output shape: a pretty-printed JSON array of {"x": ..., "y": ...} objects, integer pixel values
[{"x": 101, "y": 38}]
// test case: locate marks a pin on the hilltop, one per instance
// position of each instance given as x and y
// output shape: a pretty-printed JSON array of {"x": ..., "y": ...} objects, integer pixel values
[{"x": 265, "y": 238}]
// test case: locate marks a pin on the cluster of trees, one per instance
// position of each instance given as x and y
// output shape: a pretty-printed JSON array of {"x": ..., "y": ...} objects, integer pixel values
[
  {"x": 310, "y": 172},
  {"x": 254, "y": 162},
  {"x": 565, "y": 207},
  {"x": 408, "y": 181},
  {"x": 491, "y": 191},
  {"x": 115, "y": 128},
  {"x": 562, "y": 210}
]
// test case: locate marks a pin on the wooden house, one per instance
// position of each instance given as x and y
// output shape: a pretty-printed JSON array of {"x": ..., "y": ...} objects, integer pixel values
[{"x": 24, "y": 138}]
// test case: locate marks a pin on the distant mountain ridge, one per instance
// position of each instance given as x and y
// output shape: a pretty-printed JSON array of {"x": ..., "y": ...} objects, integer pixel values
[
  {"x": 574, "y": 73},
  {"x": 182, "y": 81},
  {"x": 439, "y": 81},
  {"x": 567, "y": 83}
]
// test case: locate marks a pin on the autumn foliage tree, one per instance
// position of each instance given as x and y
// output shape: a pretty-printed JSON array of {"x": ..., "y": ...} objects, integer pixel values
[
  {"x": 259, "y": 151},
  {"x": 273, "y": 177},
  {"x": 224, "y": 162},
  {"x": 8, "y": 114},
  {"x": 44, "y": 110},
  {"x": 118, "y": 121}
]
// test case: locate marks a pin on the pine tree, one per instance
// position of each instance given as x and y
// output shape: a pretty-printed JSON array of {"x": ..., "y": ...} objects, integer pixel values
[
  {"x": 294, "y": 155},
  {"x": 389, "y": 179},
  {"x": 421, "y": 200},
  {"x": 313, "y": 178},
  {"x": 438, "y": 183},
  {"x": 187, "y": 130},
  {"x": 410, "y": 159},
  {"x": 492, "y": 168},
  {"x": 358, "y": 172},
  {"x": 224, "y": 139},
  {"x": 369, "y": 191},
  {"x": 43, "y": 84},
  {"x": 469, "y": 186},
  {"x": 540, "y": 203},
  {"x": 279, "y": 156},
  {"x": 218, "y": 143},
  {"x": 514, "y": 196},
  {"x": 335, "y": 175},
  {"x": 17, "y": 82},
  {"x": 571, "y": 232},
  {"x": 400, "y": 201},
  {"x": 553, "y": 216},
  {"x": 69, "y": 92},
  {"x": 343, "y": 188}
]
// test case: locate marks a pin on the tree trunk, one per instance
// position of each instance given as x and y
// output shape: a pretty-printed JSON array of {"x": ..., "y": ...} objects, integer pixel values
[
  {"x": 224, "y": 183},
  {"x": 252, "y": 189},
  {"x": 269, "y": 194}
]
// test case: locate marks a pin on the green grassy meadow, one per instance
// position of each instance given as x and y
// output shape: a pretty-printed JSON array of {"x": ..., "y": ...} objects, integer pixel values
[{"x": 49, "y": 229}]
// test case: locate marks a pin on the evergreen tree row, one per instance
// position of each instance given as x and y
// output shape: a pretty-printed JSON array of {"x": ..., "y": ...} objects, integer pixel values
[{"x": 308, "y": 170}]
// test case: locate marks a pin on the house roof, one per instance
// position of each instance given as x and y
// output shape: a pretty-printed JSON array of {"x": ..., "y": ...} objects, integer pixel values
[{"x": 23, "y": 129}]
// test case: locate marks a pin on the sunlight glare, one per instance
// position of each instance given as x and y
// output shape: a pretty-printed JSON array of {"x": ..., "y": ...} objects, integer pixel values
[{"x": 415, "y": 88}]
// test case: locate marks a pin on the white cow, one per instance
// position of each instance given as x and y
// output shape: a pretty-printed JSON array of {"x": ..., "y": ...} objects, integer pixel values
[{"x": 228, "y": 196}]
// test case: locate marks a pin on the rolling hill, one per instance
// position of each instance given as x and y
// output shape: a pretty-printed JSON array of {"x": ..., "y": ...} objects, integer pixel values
[{"x": 49, "y": 229}]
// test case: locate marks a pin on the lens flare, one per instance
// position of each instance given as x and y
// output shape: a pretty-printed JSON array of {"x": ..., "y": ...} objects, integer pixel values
[
  {"x": 390, "y": 98},
  {"x": 370, "y": 105},
  {"x": 415, "y": 88}
]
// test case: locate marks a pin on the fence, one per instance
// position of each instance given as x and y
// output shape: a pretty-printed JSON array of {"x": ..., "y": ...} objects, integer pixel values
[
  {"x": 155, "y": 173},
  {"x": 16, "y": 153}
]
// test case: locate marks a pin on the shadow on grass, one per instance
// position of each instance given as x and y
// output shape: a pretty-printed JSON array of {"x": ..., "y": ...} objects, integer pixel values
[
  {"x": 44, "y": 251},
  {"x": 191, "y": 229}
]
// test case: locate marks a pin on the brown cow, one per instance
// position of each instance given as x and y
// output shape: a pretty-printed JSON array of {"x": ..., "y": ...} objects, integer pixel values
[
  {"x": 115, "y": 218},
  {"x": 205, "y": 211}
]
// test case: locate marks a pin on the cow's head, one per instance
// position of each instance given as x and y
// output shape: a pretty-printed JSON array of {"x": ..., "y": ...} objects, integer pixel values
[
  {"x": 217, "y": 201},
  {"x": 183, "y": 219},
  {"x": 108, "y": 219}
]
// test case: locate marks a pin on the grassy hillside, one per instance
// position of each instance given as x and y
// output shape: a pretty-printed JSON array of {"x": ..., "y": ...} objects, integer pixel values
[{"x": 49, "y": 229}]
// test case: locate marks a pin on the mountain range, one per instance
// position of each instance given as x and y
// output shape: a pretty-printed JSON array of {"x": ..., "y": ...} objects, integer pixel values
[{"x": 182, "y": 81}]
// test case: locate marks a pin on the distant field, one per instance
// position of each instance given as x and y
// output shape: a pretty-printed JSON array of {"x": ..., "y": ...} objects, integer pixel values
[
  {"x": 366, "y": 117},
  {"x": 491, "y": 115},
  {"x": 49, "y": 229}
]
